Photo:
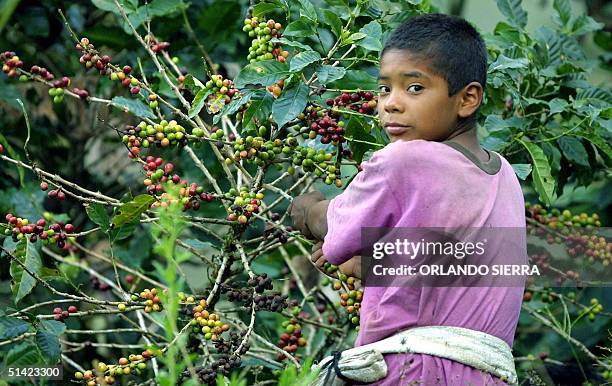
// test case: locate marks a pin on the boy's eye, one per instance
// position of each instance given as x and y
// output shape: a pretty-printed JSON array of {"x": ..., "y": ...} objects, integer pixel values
[
  {"x": 415, "y": 88},
  {"x": 383, "y": 89}
]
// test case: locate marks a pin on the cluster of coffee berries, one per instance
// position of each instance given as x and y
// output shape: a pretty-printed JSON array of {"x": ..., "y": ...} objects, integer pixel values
[
  {"x": 227, "y": 360},
  {"x": 55, "y": 194},
  {"x": 156, "y": 46},
  {"x": 245, "y": 205},
  {"x": 57, "y": 91},
  {"x": 274, "y": 231},
  {"x": 326, "y": 125},
  {"x": 11, "y": 63},
  {"x": 351, "y": 299},
  {"x": 559, "y": 220},
  {"x": 276, "y": 89},
  {"x": 318, "y": 162},
  {"x": 595, "y": 309},
  {"x": 221, "y": 93},
  {"x": 262, "y": 33},
  {"x": 216, "y": 133},
  {"x": 255, "y": 150},
  {"x": 126, "y": 80},
  {"x": 291, "y": 338},
  {"x": 98, "y": 285},
  {"x": 363, "y": 102},
  {"x": 260, "y": 283},
  {"x": 595, "y": 248},
  {"x": 42, "y": 72},
  {"x": 152, "y": 302},
  {"x": 90, "y": 58},
  {"x": 162, "y": 134},
  {"x": 209, "y": 324},
  {"x": 106, "y": 373},
  {"x": 19, "y": 228},
  {"x": 60, "y": 314}
]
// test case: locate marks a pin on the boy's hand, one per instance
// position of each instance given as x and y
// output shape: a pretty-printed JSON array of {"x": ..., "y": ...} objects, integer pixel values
[
  {"x": 350, "y": 268},
  {"x": 298, "y": 210}
]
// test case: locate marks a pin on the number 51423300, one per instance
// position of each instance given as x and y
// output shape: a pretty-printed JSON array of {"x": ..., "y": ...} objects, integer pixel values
[{"x": 51, "y": 373}]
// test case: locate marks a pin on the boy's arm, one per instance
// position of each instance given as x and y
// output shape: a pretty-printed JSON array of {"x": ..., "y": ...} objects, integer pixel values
[{"x": 309, "y": 214}]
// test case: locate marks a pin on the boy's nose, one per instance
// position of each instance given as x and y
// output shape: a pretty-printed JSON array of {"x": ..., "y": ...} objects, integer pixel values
[{"x": 392, "y": 103}]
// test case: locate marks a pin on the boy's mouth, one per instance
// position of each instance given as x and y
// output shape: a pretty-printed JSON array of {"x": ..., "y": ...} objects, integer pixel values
[{"x": 394, "y": 128}]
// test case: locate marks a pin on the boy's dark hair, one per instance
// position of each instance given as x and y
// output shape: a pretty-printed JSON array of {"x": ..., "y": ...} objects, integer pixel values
[{"x": 453, "y": 48}]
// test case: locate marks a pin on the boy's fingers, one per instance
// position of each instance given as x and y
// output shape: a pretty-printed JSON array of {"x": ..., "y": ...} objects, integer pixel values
[
  {"x": 321, "y": 262},
  {"x": 317, "y": 246},
  {"x": 316, "y": 255}
]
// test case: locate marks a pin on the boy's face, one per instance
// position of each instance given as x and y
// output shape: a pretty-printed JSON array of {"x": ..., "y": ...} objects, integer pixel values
[{"x": 413, "y": 101}]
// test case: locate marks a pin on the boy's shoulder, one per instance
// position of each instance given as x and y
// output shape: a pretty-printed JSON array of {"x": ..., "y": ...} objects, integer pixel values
[{"x": 416, "y": 151}]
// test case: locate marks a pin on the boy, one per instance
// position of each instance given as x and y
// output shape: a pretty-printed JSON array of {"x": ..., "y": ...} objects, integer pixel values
[{"x": 433, "y": 174}]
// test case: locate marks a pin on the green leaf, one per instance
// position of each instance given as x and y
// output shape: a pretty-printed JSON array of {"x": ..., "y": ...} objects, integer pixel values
[
  {"x": 521, "y": 170},
  {"x": 356, "y": 130},
  {"x": 557, "y": 105},
  {"x": 22, "y": 355},
  {"x": 262, "y": 73},
  {"x": 585, "y": 24},
  {"x": 332, "y": 20},
  {"x": 513, "y": 12},
  {"x": 97, "y": 214},
  {"x": 327, "y": 73},
  {"x": 260, "y": 109},
  {"x": 123, "y": 232},
  {"x": 303, "y": 59},
  {"x": 543, "y": 182},
  {"x": 164, "y": 7},
  {"x": 596, "y": 140},
  {"x": 564, "y": 10},
  {"x": 134, "y": 106},
  {"x": 504, "y": 62},
  {"x": 193, "y": 84},
  {"x": 198, "y": 102},
  {"x": 573, "y": 150},
  {"x": 109, "y": 5},
  {"x": 354, "y": 37},
  {"x": 131, "y": 211},
  {"x": 357, "y": 79},
  {"x": 13, "y": 155},
  {"x": 234, "y": 105},
  {"x": 373, "y": 36},
  {"x": 47, "y": 337},
  {"x": 23, "y": 283},
  {"x": 264, "y": 9},
  {"x": 12, "y": 327},
  {"x": 291, "y": 102},
  {"x": 291, "y": 43},
  {"x": 301, "y": 28},
  {"x": 308, "y": 10}
]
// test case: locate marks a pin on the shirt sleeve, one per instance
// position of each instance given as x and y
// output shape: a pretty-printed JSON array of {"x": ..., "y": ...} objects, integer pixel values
[{"x": 367, "y": 202}]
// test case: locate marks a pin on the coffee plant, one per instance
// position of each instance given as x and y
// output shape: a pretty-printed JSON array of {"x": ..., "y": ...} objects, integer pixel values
[{"x": 178, "y": 264}]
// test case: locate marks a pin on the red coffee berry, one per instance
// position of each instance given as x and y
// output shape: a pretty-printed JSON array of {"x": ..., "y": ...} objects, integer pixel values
[
  {"x": 61, "y": 196},
  {"x": 72, "y": 309},
  {"x": 1, "y": 148},
  {"x": 57, "y": 310},
  {"x": 57, "y": 317},
  {"x": 69, "y": 228},
  {"x": 52, "y": 194},
  {"x": 65, "y": 314},
  {"x": 44, "y": 186}
]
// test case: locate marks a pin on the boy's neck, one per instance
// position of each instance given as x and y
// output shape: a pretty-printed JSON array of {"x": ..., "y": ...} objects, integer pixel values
[{"x": 469, "y": 140}]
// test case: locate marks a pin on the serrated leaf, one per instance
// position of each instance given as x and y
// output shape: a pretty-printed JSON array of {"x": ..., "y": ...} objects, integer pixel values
[
  {"x": 373, "y": 36},
  {"x": 522, "y": 171},
  {"x": 23, "y": 282},
  {"x": 543, "y": 182},
  {"x": 308, "y": 10},
  {"x": 327, "y": 73},
  {"x": 12, "y": 327},
  {"x": 198, "y": 102},
  {"x": 131, "y": 211},
  {"x": 262, "y": 73},
  {"x": 134, "y": 106},
  {"x": 97, "y": 214},
  {"x": 332, "y": 20},
  {"x": 513, "y": 11},
  {"x": 303, "y": 59},
  {"x": 300, "y": 28},
  {"x": 291, "y": 103},
  {"x": 573, "y": 150}
]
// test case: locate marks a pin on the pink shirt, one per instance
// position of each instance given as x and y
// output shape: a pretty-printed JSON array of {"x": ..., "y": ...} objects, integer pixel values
[{"x": 428, "y": 184}]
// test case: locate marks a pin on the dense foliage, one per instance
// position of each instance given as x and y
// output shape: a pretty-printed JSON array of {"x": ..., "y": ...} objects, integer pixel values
[{"x": 149, "y": 152}]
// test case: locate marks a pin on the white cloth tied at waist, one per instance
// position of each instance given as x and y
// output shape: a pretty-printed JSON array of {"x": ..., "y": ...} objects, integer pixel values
[{"x": 473, "y": 348}]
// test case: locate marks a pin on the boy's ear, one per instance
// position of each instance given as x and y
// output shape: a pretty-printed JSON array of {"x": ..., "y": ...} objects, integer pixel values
[{"x": 470, "y": 99}]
